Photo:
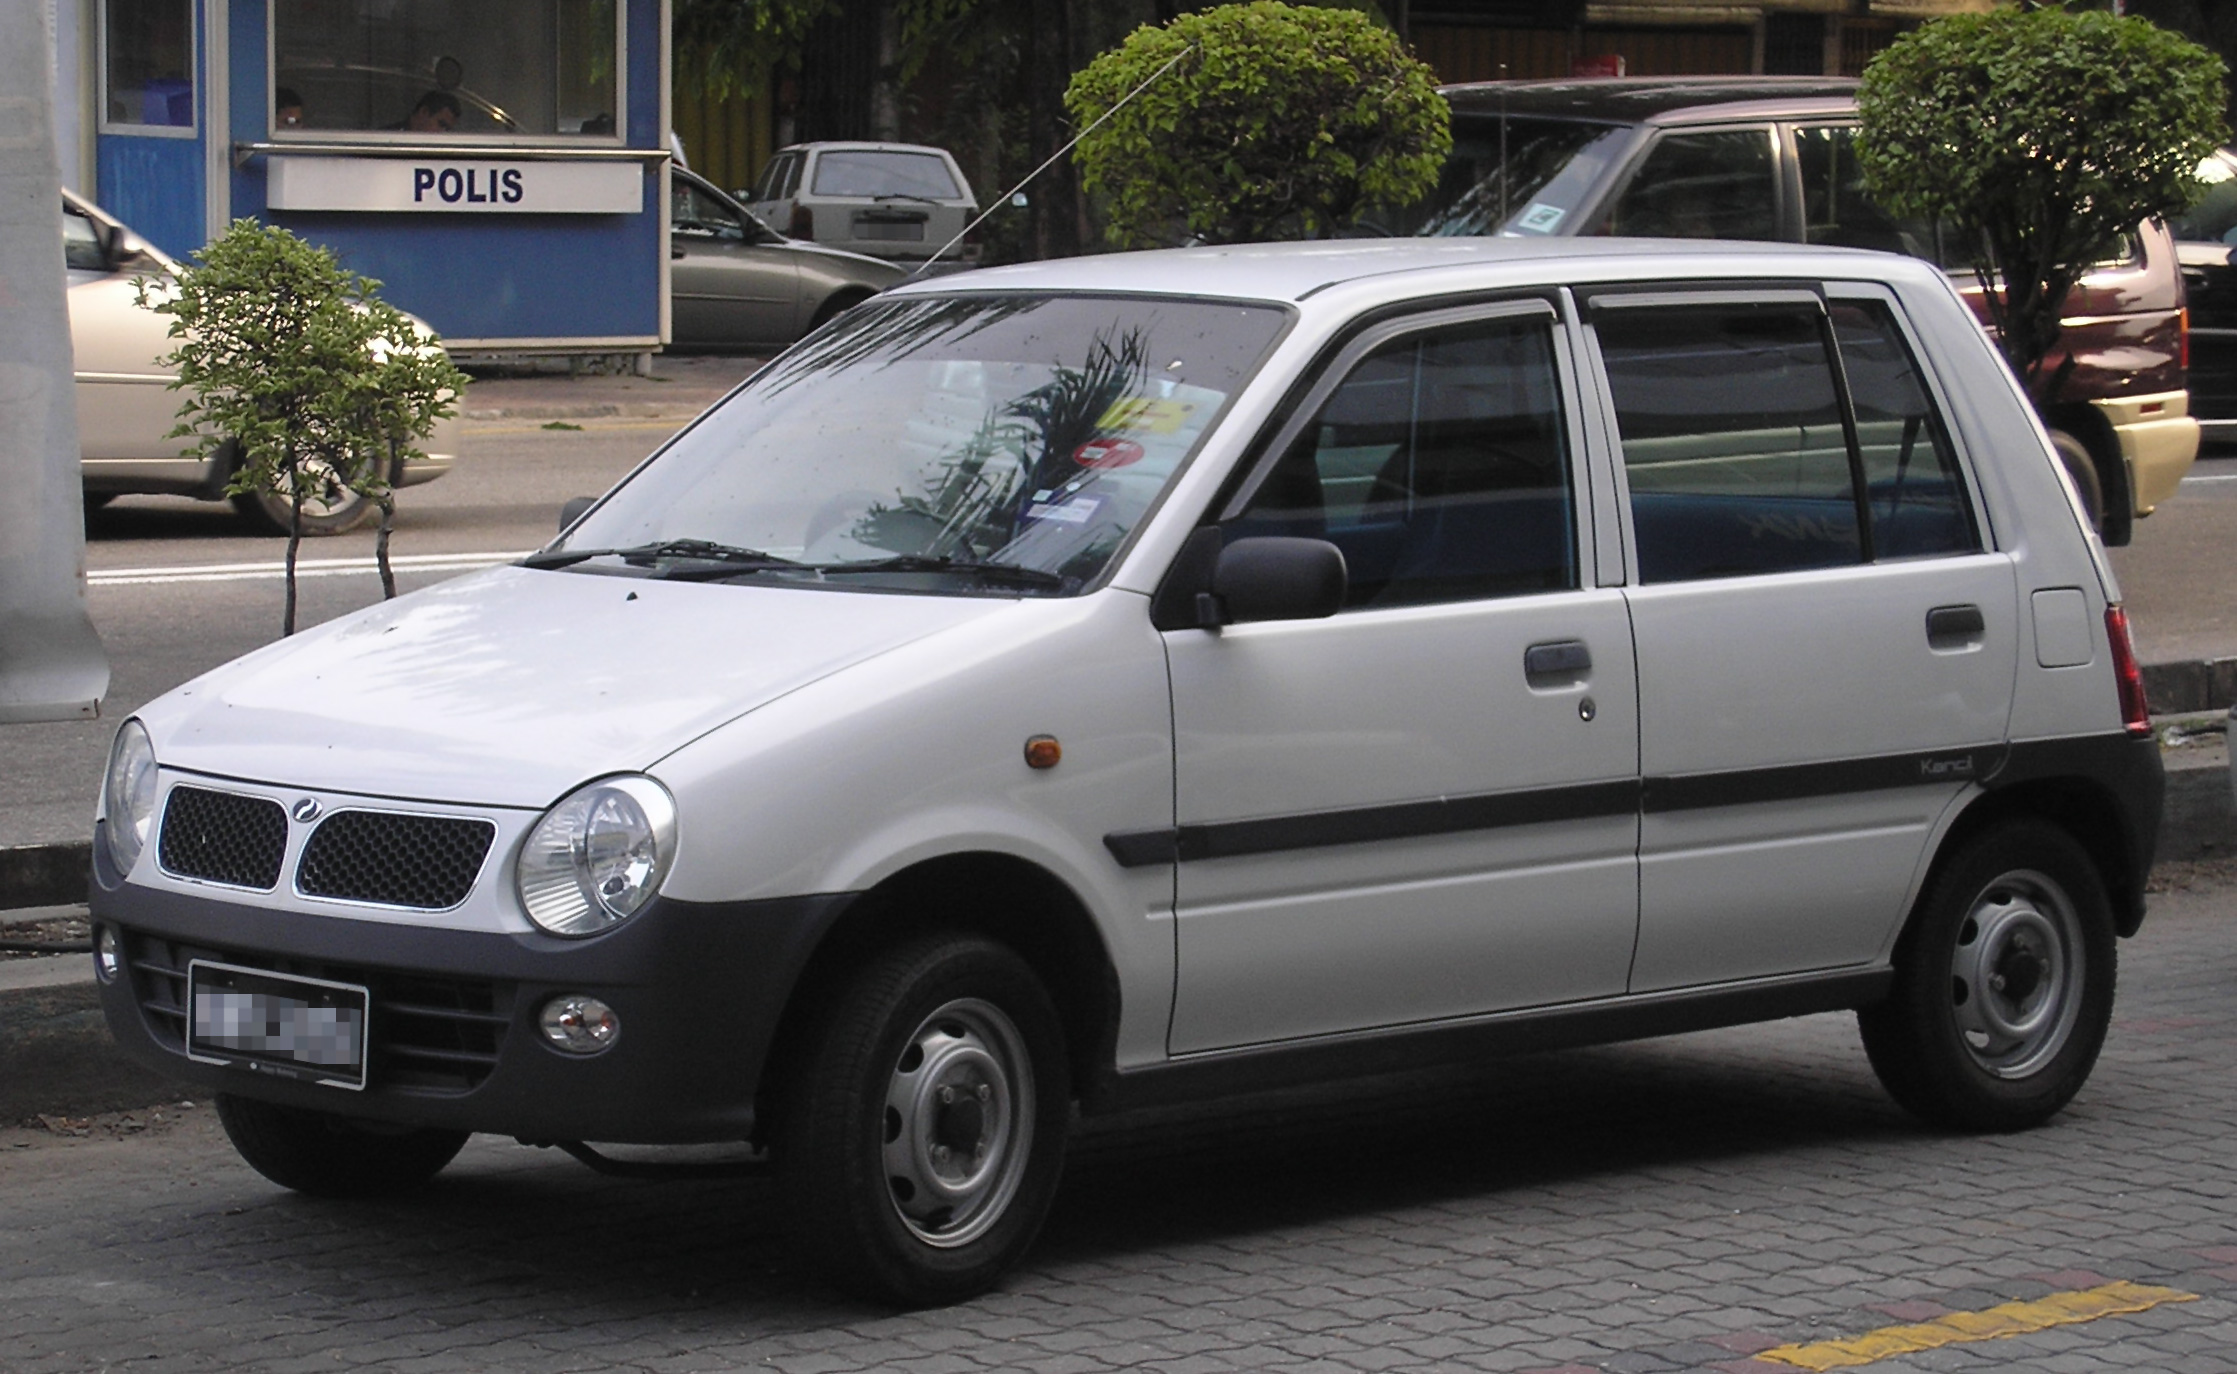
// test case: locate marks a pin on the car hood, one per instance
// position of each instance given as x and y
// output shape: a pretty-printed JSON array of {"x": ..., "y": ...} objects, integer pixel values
[{"x": 511, "y": 686}]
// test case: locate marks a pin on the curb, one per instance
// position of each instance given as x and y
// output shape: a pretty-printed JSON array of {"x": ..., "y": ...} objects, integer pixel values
[
  {"x": 45, "y": 874},
  {"x": 2175, "y": 689},
  {"x": 646, "y": 410}
]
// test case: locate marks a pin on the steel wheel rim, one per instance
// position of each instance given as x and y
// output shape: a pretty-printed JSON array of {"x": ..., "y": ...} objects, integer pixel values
[
  {"x": 957, "y": 1123},
  {"x": 2016, "y": 974}
]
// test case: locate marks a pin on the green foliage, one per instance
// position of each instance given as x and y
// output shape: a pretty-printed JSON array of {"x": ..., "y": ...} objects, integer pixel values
[
  {"x": 286, "y": 353},
  {"x": 730, "y": 46},
  {"x": 1277, "y": 121},
  {"x": 2042, "y": 136}
]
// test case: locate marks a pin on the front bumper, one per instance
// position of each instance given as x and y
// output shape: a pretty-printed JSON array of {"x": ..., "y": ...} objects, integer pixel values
[
  {"x": 2158, "y": 440},
  {"x": 453, "y": 1039}
]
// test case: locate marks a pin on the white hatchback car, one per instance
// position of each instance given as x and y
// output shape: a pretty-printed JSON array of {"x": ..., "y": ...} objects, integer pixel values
[
  {"x": 903, "y": 201},
  {"x": 1163, "y": 676},
  {"x": 126, "y": 404}
]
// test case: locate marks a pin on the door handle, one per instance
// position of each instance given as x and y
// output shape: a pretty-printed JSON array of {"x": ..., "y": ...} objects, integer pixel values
[
  {"x": 1954, "y": 627},
  {"x": 1558, "y": 661}
]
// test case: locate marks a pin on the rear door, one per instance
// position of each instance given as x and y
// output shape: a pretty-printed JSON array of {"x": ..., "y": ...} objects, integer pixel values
[
  {"x": 1424, "y": 806},
  {"x": 1826, "y": 646}
]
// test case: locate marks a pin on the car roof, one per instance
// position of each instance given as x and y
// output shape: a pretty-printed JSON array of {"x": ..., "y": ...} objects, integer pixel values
[
  {"x": 1655, "y": 99},
  {"x": 1293, "y": 272},
  {"x": 859, "y": 146}
]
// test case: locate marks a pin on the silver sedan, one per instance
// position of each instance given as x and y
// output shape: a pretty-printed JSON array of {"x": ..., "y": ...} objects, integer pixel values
[{"x": 736, "y": 283}]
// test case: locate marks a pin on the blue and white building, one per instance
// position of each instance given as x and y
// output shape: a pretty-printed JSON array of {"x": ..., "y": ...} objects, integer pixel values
[{"x": 501, "y": 166}]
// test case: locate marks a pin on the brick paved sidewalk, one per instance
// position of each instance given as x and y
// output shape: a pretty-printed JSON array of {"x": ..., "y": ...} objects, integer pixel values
[{"x": 1675, "y": 1205}]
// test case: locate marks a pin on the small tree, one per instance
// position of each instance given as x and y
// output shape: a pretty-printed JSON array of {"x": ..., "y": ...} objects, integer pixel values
[
  {"x": 2040, "y": 137},
  {"x": 1274, "y": 121},
  {"x": 286, "y": 353}
]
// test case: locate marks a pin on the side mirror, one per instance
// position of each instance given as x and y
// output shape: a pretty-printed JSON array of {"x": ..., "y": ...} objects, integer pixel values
[
  {"x": 1276, "y": 577},
  {"x": 573, "y": 511}
]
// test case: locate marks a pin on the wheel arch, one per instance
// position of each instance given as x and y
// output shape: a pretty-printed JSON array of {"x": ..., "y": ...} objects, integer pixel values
[
  {"x": 843, "y": 299},
  {"x": 2084, "y": 809},
  {"x": 1001, "y": 896}
]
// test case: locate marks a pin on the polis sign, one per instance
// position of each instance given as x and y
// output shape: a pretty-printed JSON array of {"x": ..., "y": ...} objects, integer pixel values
[{"x": 455, "y": 186}]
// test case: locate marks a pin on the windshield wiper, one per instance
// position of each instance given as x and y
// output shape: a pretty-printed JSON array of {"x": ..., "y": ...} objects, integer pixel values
[
  {"x": 903, "y": 195},
  {"x": 732, "y": 558},
  {"x": 1012, "y": 573}
]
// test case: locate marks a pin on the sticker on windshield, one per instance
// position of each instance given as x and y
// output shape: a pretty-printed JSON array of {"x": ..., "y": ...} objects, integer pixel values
[
  {"x": 1540, "y": 218},
  {"x": 1147, "y": 414},
  {"x": 1074, "y": 512},
  {"x": 1107, "y": 452}
]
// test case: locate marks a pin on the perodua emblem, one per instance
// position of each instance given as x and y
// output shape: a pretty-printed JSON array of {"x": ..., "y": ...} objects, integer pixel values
[{"x": 305, "y": 811}]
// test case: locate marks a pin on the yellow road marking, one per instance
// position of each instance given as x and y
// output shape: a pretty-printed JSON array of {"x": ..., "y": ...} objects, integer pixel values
[{"x": 2007, "y": 1319}]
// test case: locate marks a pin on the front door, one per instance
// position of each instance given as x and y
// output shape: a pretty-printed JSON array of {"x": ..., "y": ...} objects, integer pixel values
[
  {"x": 1826, "y": 645},
  {"x": 725, "y": 285},
  {"x": 1425, "y": 806}
]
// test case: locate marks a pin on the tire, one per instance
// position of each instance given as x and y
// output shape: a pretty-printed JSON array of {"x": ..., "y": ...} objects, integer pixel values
[
  {"x": 921, "y": 1142},
  {"x": 325, "y": 1155},
  {"x": 2075, "y": 457},
  {"x": 328, "y": 507},
  {"x": 839, "y": 301},
  {"x": 2003, "y": 984}
]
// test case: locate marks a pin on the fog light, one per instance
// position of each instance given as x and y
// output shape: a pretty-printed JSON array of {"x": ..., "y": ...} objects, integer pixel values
[
  {"x": 579, "y": 1024},
  {"x": 108, "y": 954}
]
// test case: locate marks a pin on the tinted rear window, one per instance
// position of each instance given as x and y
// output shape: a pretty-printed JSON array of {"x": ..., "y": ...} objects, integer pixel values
[{"x": 877, "y": 173}]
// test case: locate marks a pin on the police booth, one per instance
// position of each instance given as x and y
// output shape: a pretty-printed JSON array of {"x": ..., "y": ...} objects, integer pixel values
[{"x": 499, "y": 165}]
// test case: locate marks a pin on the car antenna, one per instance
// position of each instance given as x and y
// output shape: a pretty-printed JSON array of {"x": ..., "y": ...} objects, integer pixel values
[
  {"x": 1505, "y": 172},
  {"x": 998, "y": 204}
]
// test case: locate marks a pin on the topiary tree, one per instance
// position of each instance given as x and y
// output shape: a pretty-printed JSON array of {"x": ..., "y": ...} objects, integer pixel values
[
  {"x": 2041, "y": 137},
  {"x": 1274, "y": 121},
  {"x": 291, "y": 356}
]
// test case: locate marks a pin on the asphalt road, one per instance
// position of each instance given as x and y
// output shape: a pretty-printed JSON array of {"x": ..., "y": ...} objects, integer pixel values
[
  {"x": 163, "y": 624},
  {"x": 1686, "y": 1204}
]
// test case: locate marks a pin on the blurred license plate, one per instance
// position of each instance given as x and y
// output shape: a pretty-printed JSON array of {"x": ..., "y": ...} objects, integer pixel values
[
  {"x": 301, "y": 1028},
  {"x": 902, "y": 231}
]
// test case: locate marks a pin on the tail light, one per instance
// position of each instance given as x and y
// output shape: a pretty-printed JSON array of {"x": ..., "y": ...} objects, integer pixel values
[
  {"x": 2135, "y": 715},
  {"x": 803, "y": 225}
]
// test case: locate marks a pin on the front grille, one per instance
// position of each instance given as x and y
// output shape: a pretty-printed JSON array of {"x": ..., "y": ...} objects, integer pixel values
[
  {"x": 429, "y": 1034},
  {"x": 223, "y": 837},
  {"x": 424, "y": 862}
]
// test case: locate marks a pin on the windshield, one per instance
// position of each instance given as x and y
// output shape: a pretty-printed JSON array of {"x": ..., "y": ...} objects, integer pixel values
[
  {"x": 957, "y": 444},
  {"x": 1534, "y": 189}
]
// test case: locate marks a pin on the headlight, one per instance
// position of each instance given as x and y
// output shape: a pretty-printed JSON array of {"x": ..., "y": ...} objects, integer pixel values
[
  {"x": 598, "y": 856},
  {"x": 128, "y": 795}
]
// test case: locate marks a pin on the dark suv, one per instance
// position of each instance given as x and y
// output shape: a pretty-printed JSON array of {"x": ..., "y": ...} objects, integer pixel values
[{"x": 1773, "y": 158}]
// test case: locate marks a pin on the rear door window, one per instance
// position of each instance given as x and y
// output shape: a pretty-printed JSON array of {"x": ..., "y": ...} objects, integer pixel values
[
  {"x": 1835, "y": 209},
  {"x": 1751, "y": 446},
  {"x": 1711, "y": 184}
]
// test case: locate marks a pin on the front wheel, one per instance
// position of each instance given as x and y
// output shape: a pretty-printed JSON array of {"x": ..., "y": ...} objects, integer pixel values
[
  {"x": 920, "y": 1147},
  {"x": 2003, "y": 984},
  {"x": 326, "y": 1155}
]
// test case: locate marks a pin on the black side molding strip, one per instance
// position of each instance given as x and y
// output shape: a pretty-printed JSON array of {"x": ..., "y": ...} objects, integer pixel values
[
  {"x": 1497, "y": 810},
  {"x": 1226, "y": 1072},
  {"x": 1365, "y": 824}
]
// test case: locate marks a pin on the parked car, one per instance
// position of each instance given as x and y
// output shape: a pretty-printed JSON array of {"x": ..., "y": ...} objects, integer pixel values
[
  {"x": 1148, "y": 677},
  {"x": 126, "y": 409},
  {"x": 1772, "y": 158},
  {"x": 903, "y": 201},
  {"x": 2203, "y": 237},
  {"x": 734, "y": 282}
]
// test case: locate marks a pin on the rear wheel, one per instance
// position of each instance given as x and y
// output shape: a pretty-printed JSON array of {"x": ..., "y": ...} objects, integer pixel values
[
  {"x": 921, "y": 1144},
  {"x": 326, "y": 1155},
  {"x": 2003, "y": 984}
]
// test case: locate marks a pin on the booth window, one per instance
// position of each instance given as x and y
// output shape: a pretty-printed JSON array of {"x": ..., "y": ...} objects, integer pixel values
[
  {"x": 148, "y": 63},
  {"x": 434, "y": 68}
]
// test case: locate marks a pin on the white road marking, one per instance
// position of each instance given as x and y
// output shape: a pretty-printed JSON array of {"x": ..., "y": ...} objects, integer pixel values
[
  {"x": 2210, "y": 477},
  {"x": 305, "y": 567}
]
